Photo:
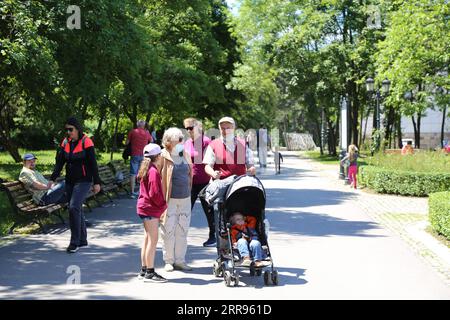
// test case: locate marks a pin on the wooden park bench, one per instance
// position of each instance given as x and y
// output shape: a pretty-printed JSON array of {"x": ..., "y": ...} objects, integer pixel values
[
  {"x": 108, "y": 181},
  {"x": 25, "y": 209},
  {"x": 122, "y": 170}
]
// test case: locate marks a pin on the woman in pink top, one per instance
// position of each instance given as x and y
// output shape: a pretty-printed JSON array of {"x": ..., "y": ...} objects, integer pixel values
[
  {"x": 196, "y": 146},
  {"x": 150, "y": 206}
]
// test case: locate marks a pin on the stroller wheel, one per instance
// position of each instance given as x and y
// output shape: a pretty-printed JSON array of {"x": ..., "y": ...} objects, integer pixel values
[
  {"x": 227, "y": 278},
  {"x": 236, "y": 279},
  {"x": 217, "y": 270},
  {"x": 266, "y": 278},
  {"x": 275, "y": 277},
  {"x": 252, "y": 271}
]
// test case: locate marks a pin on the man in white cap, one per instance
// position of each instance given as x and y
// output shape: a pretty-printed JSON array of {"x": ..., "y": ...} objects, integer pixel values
[{"x": 228, "y": 155}]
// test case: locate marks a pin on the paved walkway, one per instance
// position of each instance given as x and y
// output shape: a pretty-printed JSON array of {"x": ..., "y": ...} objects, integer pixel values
[
  {"x": 407, "y": 217},
  {"x": 324, "y": 244}
]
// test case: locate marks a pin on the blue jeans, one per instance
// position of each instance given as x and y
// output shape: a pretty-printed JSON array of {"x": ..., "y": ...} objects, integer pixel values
[
  {"x": 77, "y": 193},
  {"x": 253, "y": 249},
  {"x": 55, "y": 195},
  {"x": 135, "y": 163},
  {"x": 144, "y": 218}
]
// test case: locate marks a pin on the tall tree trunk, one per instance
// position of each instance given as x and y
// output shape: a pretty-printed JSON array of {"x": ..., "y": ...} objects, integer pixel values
[
  {"x": 419, "y": 118},
  {"x": 10, "y": 146},
  {"x": 336, "y": 128},
  {"x": 6, "y": 115},
  {"x": 416, "y": 125},
  {"x": 399, "y": 130},
  {"x": 97, "y": 135},
  {"x": 318, "y": 125},
  {"x": 443, "y": 125},
  {"x": 331, "y": 140},
  {"x": 415, "y": 130},
  {"x": 116, "y": 128}
]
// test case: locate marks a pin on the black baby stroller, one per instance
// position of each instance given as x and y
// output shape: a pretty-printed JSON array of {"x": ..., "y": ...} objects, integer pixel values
[{"x": 244, "y": 194}]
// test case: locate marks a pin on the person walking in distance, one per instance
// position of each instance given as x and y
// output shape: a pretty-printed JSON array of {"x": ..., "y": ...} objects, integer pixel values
[
  {"x": 138, "y": 138},
  {"x": 262, "y": 142}
]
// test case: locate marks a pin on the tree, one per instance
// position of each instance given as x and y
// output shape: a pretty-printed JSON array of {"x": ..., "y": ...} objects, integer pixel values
[
  {"x": 415, "y": 56},
  {"x": 29, "y": 75}
]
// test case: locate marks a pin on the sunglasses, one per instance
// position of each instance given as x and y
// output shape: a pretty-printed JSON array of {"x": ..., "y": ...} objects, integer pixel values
[
  {"x": 69, "y": 129},
  {"x": 189, "y": 128}
]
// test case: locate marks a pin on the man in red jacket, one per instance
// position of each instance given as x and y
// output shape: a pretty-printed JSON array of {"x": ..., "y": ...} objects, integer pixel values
[{"x": 138, "y": 138}]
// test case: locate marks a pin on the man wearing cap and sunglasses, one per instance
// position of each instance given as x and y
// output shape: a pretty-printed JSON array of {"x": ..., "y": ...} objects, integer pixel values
[
  {"x": 228, "y": 155},
  {"x": 44, "y": 193}
]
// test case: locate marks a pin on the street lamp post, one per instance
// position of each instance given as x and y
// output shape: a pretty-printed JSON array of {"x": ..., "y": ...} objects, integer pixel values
[
  {"x": 344, "y": 131},
  {"x": 378, "y": 95}
]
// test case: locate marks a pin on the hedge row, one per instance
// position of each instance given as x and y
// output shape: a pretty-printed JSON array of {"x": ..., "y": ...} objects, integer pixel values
[
  {"x": 403, "y": 182},
  {"x": 439, "y": 212}
]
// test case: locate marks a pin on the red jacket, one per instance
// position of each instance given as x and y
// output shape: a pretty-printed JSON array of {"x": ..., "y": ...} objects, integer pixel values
[
  {"x": 79, "y": 159},
  {"x": 247, "y": 228},
  {"x": 151, "y": 200},
  {"x": 139, "y": 138}
]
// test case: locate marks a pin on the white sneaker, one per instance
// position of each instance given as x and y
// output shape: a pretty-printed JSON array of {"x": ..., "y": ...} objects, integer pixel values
[
  {"x": 182, "y": 267},
  {"x": 168, "y": 267}
]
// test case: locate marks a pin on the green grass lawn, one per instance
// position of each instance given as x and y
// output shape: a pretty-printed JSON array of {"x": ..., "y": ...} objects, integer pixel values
[
  {"x": 326, "y": 158},
  {"x": 424, "y": 161},
  {"x": 316, "y": 156},
  {"x": 9, "y": 170}
]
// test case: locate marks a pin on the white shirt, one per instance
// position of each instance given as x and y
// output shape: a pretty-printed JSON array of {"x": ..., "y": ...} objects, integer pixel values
[{"x": 210, "y": 158}]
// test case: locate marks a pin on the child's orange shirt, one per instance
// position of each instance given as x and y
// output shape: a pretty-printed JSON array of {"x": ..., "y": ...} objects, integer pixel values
[{"x": 250, "y": 222}]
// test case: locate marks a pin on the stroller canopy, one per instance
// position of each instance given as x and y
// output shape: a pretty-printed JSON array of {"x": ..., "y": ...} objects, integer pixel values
[{"x": 247, "y": 195}]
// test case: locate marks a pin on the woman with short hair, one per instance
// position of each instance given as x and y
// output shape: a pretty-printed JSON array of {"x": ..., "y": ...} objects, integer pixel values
[{"x": 176, "y": 173}]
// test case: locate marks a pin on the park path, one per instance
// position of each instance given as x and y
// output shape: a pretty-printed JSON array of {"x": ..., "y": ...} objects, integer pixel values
[{"x": 324, "y": 239}]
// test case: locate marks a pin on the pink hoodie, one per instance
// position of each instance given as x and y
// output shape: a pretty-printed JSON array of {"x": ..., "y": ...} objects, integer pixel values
[{"x": 151, "y": 200}]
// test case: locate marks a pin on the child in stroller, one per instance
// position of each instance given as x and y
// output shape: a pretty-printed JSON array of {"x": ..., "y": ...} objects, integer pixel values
[{"x": 245, "y": 239}]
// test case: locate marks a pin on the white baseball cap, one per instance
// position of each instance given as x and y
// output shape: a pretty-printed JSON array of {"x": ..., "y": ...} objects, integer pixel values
[
  {"x": 227, "y": 119},
  {"x": 152, "y": 149}
]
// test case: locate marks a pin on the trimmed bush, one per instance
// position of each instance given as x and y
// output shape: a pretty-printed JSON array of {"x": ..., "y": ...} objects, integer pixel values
[
  {"x": 439, "y": 212},
  {"x": 403, "y": 182}
]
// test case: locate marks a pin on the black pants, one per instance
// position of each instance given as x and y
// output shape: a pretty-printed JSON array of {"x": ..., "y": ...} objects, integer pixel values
[{"x": 209, "y": 211}]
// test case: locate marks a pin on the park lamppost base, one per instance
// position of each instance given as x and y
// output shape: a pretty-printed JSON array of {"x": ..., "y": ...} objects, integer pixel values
[{"x": 342, "y": 173}]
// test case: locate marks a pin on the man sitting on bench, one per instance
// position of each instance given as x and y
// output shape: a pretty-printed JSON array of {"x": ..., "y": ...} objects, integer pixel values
[{"x": 43, "y": 192}]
